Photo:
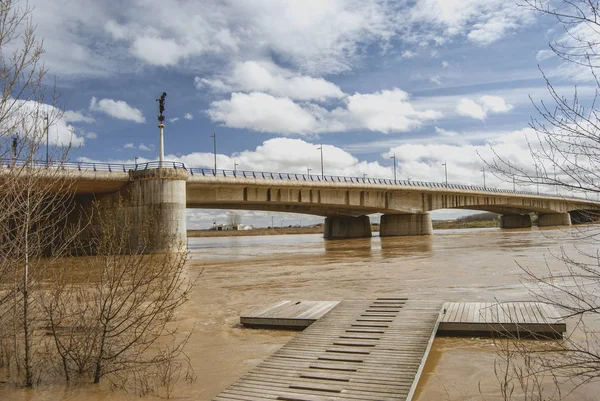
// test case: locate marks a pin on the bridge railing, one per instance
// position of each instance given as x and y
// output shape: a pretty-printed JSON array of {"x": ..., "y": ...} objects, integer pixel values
[
  {"x": 93, "y": 166},
  {"x": 120, "y": 167}
]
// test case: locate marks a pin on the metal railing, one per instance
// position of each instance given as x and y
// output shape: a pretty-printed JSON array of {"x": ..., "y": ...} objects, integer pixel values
[
  {"x": 198, "y": 171},
  {"x": 93, "y": 166}
]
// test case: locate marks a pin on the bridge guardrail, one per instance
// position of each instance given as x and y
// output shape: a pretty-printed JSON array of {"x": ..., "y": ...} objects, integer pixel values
[{"x": 120, "y": 167}]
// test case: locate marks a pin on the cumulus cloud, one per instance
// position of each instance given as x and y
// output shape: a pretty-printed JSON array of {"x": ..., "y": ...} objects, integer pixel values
[
  {"x": 118, "y": 109},
  {"x": 173, "y": 120},
  {"x": 128, "y": 146},
  {"x": 91, "y": 135},
  {"x": 385, "y": 111},
  {"x": 188, "y": 116},
  {"x": 480, "y": 109},
  {"x": 252, "y": 76},
  {"x": 145, "y": 148},
  {"x": 21, "y": 119}
]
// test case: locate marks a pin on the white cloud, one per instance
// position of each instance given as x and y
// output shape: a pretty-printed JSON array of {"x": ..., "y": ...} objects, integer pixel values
[
  {"x": 118, "y": 109},
  {"x": 91, "y": 135},
  {"x": 408, "y": 54},
  {"x": 252, "y": 76},
  {"x": 173, "y": 120},
  {"x": 262, "y": 112},
  {"x": 145, "y": 148},
  {"x": 445, "y": 64},
  {"x": 21, "y": 119},
  {"x": 482, "y": 22},
  {"x": 128, "y": 146},
  {"x": 385, "y": 111},
  {"x": 544, "y": 55},
  {"x": 188, "y": 116},
  {"x": 480, "y": 109},
  {"x": 446, "y": 133},
  {"x": 290, "y": 155}
]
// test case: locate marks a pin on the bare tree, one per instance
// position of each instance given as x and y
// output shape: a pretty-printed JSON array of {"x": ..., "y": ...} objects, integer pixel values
[
  {"x": 565, "y": 153},
  {"x": 117, "y": 322},
  {"x": 34, "y": 202},
  {"x": 233, "y": 220}
]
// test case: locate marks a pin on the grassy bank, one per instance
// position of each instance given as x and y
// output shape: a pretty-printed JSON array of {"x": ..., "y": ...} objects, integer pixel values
[{"x": 456, "y": 224}]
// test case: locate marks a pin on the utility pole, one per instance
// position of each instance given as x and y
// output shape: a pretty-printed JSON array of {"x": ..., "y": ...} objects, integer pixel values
[
  {"x": 483, "y": 171},
  {"x": 214, "y": 136},
  {"x": 394, "y": 157},
  {"x": 47, "y": 141},
  {"x": 445, "y": 164},
  {"x": 321, "y": 149}
]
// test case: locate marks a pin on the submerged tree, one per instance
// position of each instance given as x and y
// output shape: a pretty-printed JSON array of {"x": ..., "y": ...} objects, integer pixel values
[
  {"x": 34, "y": 202},
  {"x": 117, "y": 322}
]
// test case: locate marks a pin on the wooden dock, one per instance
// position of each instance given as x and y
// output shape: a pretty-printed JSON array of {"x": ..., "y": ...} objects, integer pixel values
[
  {"x": 291, "y": 314},
  {"x": 501, "y": 318},
  {"x": 360, "y": 350}
]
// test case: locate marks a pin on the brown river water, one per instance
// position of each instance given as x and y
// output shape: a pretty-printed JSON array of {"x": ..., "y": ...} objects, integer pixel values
[{"x": 241, "y": 274}]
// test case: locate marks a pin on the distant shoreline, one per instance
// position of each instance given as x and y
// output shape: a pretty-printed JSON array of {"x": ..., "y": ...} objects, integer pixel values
[{"x": 437, "y": 225}]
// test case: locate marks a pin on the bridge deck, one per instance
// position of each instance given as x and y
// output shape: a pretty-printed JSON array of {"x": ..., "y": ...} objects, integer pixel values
[
  {"x": 514, "y": 318},
  {"x": 360, "y": 350}
]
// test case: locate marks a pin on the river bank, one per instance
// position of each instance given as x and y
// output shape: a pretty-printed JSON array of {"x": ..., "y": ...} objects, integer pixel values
[{"x": 437, "y": 225}]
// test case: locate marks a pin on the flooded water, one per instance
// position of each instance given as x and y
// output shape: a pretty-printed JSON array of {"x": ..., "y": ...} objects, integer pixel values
[{"x": 244, "y": 273}]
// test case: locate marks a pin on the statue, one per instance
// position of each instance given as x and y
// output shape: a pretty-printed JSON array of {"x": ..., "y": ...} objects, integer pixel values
[{"x": 161, "y": 107}]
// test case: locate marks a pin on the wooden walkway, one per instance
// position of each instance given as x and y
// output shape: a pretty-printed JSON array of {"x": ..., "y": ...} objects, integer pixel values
[
  {"x": 360, "y": 350},
  {"x": 513, "y": 318},
  {"x": 292, "y": 314}
]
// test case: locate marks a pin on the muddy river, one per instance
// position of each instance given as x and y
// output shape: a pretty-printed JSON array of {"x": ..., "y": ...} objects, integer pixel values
[{"x": 244, "y": 273}]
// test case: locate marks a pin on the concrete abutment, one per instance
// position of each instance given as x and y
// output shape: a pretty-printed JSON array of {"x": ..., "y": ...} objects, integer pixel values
[
  {"x": 554, "y": 219},
  {"x": 340, "y": 227},
  {"x": 515, "y": 221},
  {"x": 154, "y": 201},
  {"x": 405, "y": 224}
]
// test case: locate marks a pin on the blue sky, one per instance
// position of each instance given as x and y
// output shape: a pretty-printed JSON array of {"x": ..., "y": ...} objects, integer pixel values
[{"x": 432, "y": 81}]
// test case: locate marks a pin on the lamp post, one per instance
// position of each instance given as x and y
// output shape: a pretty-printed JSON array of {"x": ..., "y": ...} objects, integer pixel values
[
  {"x": 394, "y": 157},
  {"x": 235, "y": 164},
  {"x": 483, "y": 171},
  {"x": 214, "y": 136},
  {"x": 308, "y": 169},
  {"x": 47, "y": 141},
  {"x": 321, "y": 149},
  {"x": 445, "y": 164}
]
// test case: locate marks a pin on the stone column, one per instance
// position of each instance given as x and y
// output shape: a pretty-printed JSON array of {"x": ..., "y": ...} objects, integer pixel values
[
  {"x": 160, "y": 195},
  {"x": 405, "y": 224},
  {"x": 339, "y": 227},
  {"x": 515, "y": 221},
  {"x": 554, "y": 219}
]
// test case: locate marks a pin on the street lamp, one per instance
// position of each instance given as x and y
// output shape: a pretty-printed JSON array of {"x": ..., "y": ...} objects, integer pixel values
[
  {"x": 483, "y": 171},
  {"x": 445, "y": 164},
  {"x": 321, "y": 149},
  {"x": 47, "y": 140},
  {"x": 394, "y": 157},
  {"x": 308, "y": 170},
  {"x": 214, "y": 136},
  {"x": 235, "y": 164}
]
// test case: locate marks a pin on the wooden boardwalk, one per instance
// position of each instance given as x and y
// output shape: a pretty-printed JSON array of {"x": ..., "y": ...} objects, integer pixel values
[
  {"x": 293, "y": 314},
  {"x": 360, "y": 350},
  {"x": 513, "y": 318}
]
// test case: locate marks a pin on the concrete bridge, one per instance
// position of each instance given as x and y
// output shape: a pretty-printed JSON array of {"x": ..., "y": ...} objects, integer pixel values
[{"x": 345, "y": 202}]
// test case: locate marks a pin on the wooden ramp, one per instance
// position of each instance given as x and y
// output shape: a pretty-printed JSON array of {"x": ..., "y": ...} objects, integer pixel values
[
  {"x": 512, "y": 318},
  {"x": 360, "y": 350},
  {"x": 292, "y": 314}
]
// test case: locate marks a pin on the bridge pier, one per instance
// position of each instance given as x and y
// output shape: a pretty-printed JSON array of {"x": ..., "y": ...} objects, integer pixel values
[
  {"x": 340, "y": 227},
  {"x": 405, "y": 224},
  {"x": 155, "y": 202},
  {"x": 554, "y": 219},
  {"x": 515, "y": 221}
]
